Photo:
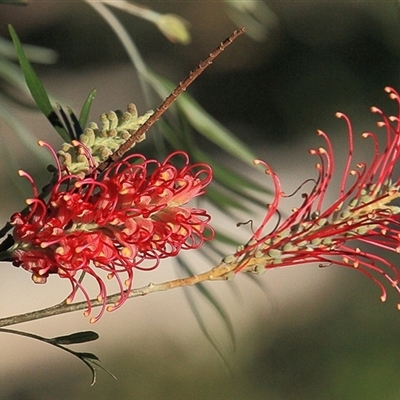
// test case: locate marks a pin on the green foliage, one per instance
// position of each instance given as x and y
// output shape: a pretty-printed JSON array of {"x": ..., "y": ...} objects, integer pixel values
[
  {"x": 14, "y": 2},
  {"x": 218, "y": 308},
  {"x": 74, "y": 338},
  {"x": 36, "y": 87},
  {"x": 89, "y": 359},
  {"x": 203, "y": 122},
  {"x": 11, "y": 75},
  {"x": 84, "y": 114}
]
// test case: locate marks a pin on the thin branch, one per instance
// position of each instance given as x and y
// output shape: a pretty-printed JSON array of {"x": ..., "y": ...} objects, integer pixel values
[
  {"x": 170, "y": 99},
  {"x": 220, "y": 272}
]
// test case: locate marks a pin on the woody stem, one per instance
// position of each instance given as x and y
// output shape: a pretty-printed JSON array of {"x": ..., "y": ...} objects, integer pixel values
[{"x": 217, "y": 273}]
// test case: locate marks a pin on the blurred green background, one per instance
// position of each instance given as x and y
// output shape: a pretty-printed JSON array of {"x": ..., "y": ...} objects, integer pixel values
[{"x": 313, "y": 333}]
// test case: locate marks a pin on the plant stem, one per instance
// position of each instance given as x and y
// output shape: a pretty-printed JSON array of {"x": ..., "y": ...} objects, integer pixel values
[
  {"x": 220, "y": 272},
  {"x": 180, "y": 88}
]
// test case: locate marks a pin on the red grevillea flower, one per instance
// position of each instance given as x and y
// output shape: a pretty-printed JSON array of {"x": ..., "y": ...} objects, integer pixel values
[
  {"x": 134, "y": 212},
  {"x": 363, "y": 214}
]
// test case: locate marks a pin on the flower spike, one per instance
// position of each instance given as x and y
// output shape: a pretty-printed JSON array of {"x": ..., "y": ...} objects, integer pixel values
[
  {"x": 364, "y": 212},
  {"x": 134, "y": 213}
]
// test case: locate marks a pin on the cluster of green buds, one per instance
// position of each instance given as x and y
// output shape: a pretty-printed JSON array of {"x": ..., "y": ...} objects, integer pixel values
[{"x": 117, "y": 128}]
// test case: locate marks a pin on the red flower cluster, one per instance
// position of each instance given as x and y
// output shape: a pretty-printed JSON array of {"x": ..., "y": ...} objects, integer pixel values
[
  {"x": 363, "y": 213},
  {"x": 113, "y": 222}
]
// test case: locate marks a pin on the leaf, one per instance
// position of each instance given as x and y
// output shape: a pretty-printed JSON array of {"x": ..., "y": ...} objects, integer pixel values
[
  {"x": 181, "y": 139},
  {"x": 66, "y": 122},
  {"x": 89, "y": 359},
  {"x": 78, "y": 337},
  {"x": 12, "y": 74},
  {"x": 233, "y": 183},
  {"x": 84, "y": 114},
  {"x": 213, "y": 301},
  {"x": 220, "y": 310},
  {"x": 36, "y": 54},
  {"x": 77, "y": 128},
  {"x": 15, "y": 2},
  {"x": 225, "y": 201},
  {"x": 85, "y": 355},
  {"x": 92, "y": 361},
  {"x": 204, "y": 329},
  {"x": 36, "y": 88},
  {"x": 203, "y": 122},
  {"x": 222, "y": 238},
  {"x": 228, "y": 177},
  {"x": 20, "y": 131}
]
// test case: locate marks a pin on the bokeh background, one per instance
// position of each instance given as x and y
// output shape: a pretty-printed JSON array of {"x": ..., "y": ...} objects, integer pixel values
[{"x": 307, "y": 333}]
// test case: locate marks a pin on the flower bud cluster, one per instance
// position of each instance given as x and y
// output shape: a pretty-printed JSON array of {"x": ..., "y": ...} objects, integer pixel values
[{"x": 117, "y": 128}]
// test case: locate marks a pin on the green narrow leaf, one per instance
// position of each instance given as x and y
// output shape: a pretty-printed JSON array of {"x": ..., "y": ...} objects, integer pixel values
[
  {"x": 11, "y": 74},
  {"x": 15, "y": 2},
  {"x": 213, "y": 130},
  {"x": 34, "y": 84},
  {"x": 78, "y": 337},
  {"x": 36, "y": 87},
  {"x": 84, "y": 114},
  {"x": 227, "y": 177},
  {"x": 220, "y": 310},
  {"x": 204, "y": 329},
  {"x": 40, "y": 55},
  {"x": 213, "y": 301},
  {"x": 85, "y": 355},
  {"x": 93, "y": 361},
  {"x": 203, "y": 122},
  {"x": 77, "y": 128},
  {"x": 89, "y": 359},
  {"x": 225, "y": 201},
  {"x": 223, "y": 238}
]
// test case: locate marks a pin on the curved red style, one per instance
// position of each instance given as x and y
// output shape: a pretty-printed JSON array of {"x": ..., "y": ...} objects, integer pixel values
[
  {"x": 363, "y": 213},
  {"x": 135, "y": 212}
]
